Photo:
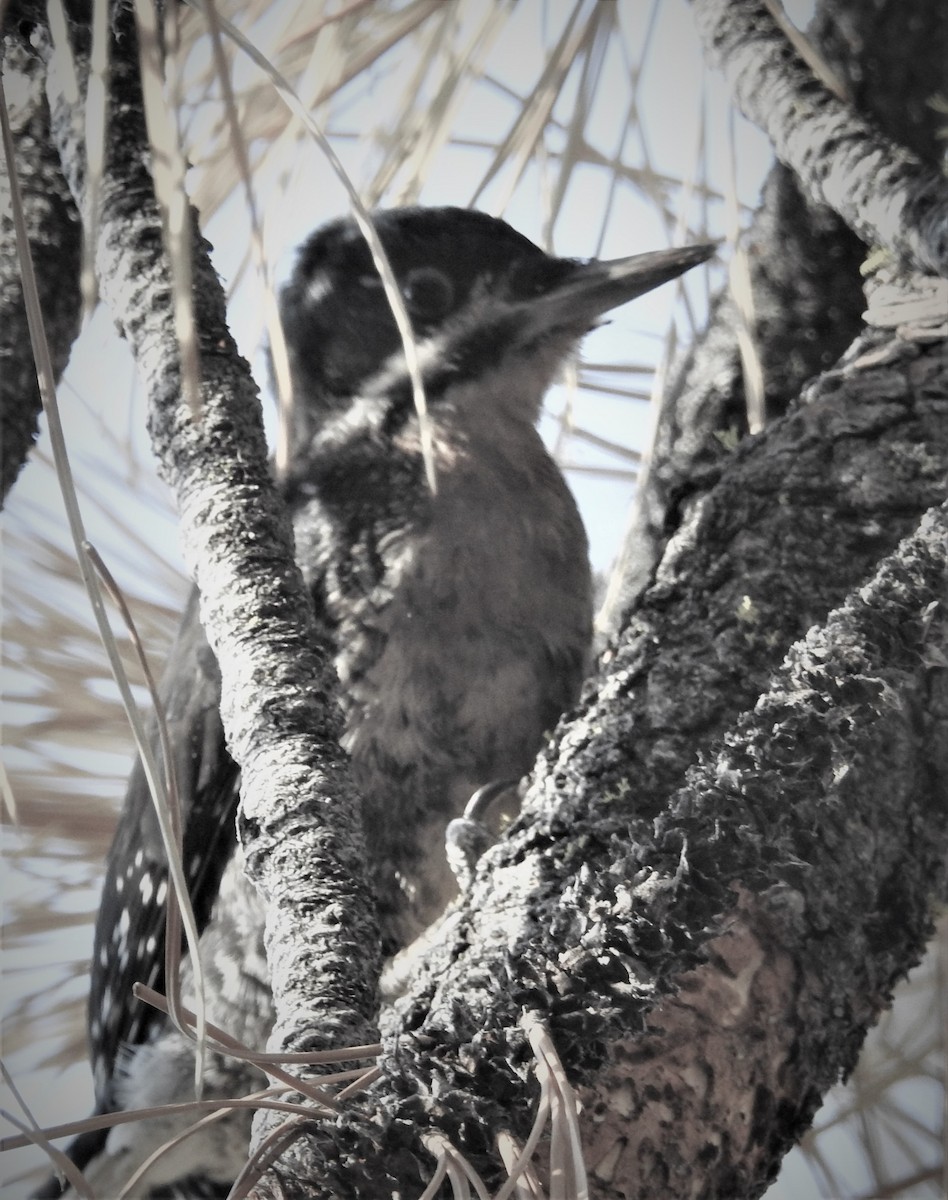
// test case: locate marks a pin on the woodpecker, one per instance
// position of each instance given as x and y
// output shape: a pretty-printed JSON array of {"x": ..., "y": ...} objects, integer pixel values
[{"x": 461, "y": 619}]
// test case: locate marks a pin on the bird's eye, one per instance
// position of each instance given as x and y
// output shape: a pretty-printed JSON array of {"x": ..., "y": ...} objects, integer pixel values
[{"x": 429, "y": 293}]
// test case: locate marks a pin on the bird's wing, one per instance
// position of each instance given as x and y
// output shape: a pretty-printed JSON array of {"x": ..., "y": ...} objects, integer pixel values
[{"x": 130, "y": 930}]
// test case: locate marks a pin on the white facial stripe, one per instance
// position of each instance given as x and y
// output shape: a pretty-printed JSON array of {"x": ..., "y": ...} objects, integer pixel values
[
  {"x": 318, "y": 287},
  {"x": 394, "y": 370}
]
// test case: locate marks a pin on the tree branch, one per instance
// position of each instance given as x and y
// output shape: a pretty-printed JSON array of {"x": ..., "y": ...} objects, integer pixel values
[
  {"x": 885, "y": 193},
  {"x": 822, "y": 812},
  {"x": 804, "y": 266},
  {"x": 55, "y": 240},
  {"x": 278, "y": 704},
  {"x": 633, "y": 902}
]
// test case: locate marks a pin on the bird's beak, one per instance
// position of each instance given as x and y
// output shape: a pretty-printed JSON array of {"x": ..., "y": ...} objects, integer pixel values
[{"x": 592, "y": 288}]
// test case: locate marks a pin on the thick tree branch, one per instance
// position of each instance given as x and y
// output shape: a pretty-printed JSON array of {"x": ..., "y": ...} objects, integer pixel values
[
  {"x": 804, "y": 266},
  {"x": 55, "y": 240},
  {"x": 806, "y": 313},
  {"x": 883, "y": 191},
  {"x": 278, "y": 705},
  {"x": 633, "y": 902},
  {"x": 823, "y": 811}
]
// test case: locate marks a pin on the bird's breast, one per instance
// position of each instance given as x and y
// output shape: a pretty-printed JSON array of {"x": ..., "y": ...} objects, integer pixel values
[
  {"x": 462, "y": 624},
  {"x": 473, "y": 636}
]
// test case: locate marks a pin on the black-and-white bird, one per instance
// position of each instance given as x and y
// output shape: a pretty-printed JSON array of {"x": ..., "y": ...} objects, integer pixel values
[{"x": 461, "y": 619}]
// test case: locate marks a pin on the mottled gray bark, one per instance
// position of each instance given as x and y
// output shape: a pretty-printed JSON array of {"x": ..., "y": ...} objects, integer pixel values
[
  {"x": 881, "y": 189},
  {"x": 725, "y": 860},
  {"x": 55, "y": 240},
  {"x": 804, "y": 266},
  {"x": 300, "y": 818}
]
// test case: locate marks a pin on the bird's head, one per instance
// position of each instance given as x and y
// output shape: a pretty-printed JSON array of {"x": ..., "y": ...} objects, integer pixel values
[{"x": 493, "y": 316}]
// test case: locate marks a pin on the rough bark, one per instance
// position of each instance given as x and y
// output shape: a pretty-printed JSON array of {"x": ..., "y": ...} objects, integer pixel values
[
  {"x": 55, "y": 242},
  {"x": 713, "y": 857},
  {"x": 883, "y": 191},
  {"x": 803, "y": 262},
  {"x": 278, "y": 705},
  {"x": 832, "y": 789}
]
